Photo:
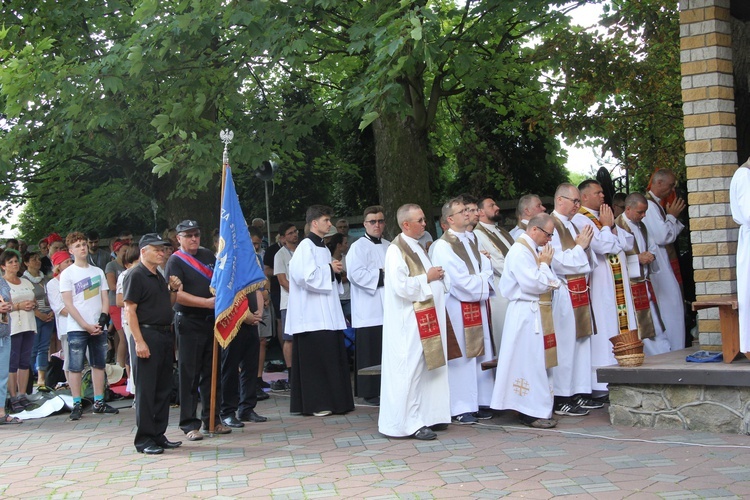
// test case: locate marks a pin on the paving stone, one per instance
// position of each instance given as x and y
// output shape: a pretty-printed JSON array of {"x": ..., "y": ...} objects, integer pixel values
[{"x": 667, "y": 478}]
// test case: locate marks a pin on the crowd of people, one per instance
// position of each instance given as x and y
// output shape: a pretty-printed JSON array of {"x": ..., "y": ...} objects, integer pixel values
[{"x": 481, "y": 319}]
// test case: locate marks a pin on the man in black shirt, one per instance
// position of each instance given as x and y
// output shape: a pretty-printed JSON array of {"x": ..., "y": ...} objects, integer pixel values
[
  {"x": 194, "y": 322},
  {"x": 148, "y": 310}
]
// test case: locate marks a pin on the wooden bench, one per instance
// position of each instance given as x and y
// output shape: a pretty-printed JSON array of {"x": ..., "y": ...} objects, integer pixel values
[{"x": 729, "y": 321}]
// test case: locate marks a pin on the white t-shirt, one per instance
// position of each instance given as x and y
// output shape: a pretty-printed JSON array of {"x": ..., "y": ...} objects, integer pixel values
[
  {"x": 86, "y": 283},
  {"x": 281, "y": 266},
  {"x": 56, "y": 303}
]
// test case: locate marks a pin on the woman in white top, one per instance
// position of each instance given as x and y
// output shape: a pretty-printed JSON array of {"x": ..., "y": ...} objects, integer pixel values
[
  {"x": 45, "y": 323},
  {"x": 22, "y": 329}
]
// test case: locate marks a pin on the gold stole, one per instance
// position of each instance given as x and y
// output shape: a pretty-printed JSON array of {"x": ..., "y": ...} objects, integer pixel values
[
  {"x": 616, "y": 266},
  {"x": 522, "y": 225},
  {"x": 640, "y": 288},
  {"x": 548, "y": 325},
  {"x": 425, "y": 312},
  {"x": 496, "y": 241},
  {"x": 470, "y": 311},
  {"x": 577, "y": 287},
  {"x": 674, "y": 260}
]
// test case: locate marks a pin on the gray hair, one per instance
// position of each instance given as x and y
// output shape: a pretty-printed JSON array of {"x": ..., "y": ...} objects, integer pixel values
[{"x": 403, "y": 212}]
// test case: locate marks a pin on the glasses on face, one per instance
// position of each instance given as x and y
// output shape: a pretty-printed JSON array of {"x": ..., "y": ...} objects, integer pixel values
[
  {"x": 548, "y": 235},
  {"x": 464, "y": 211},
  {"x": 375, "y": 221},
  {"x": 418, "y": 221},
  {"x": 191, "y": 235},
  {"x": 576, "y": 201}
]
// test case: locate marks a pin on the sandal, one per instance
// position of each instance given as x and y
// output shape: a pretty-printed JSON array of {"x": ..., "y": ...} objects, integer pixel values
[
  {"x": 7, "y": 419},
  {"x": 194, "y": 435},
  {"x": 16, "y": 406}
]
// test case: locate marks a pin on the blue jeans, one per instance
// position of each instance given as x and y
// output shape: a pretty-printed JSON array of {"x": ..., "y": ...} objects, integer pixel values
[
  {"x": 78, "y": 341},
  {"x": 40, "y": 351},
  {"x": 4, "y": 365}
]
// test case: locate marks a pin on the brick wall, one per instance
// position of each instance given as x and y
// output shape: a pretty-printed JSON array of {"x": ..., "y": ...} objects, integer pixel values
[{"x": 711, "y": 150}]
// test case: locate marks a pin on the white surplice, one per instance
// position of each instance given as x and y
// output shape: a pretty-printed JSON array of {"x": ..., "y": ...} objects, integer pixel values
[
  {"x": 498, "y": 303},
  {"x": 659, "y": 344},
  {"x": 663, "y": 229},
  {"x": 739, "y": 200},
  {"x": 471, "y": 386},
  {"x": 603, "y": 298},
  {"x": 313, "y": 294},
  {"x": 522, "y": 383},
  {"x": 411, "y": 396},
  {"x": 364, "y": 260},
  {"x": 572, "y": 375},
  {"x": 518, "y": 230}
]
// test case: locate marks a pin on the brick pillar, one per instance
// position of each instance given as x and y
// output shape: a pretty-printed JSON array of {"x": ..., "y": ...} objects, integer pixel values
[{"x": 711, "y": 151}]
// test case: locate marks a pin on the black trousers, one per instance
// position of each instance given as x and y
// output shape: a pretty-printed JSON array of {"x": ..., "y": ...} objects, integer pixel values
[
  {"x": 239, "y": 373},
  {"x": 368, "y": 351},
  {"x": 153, "y": 384},
  {"x": 195, "y": 348}
]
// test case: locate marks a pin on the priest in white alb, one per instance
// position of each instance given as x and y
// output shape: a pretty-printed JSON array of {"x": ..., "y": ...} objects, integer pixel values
[
  {"x": 663, "y": 229},
  {"x": 365, "y": 264},
  {"x": 320, "y": 382},
  {"x": 611, "y": 298},
  {"x": 739, "y": 201},
  {"x": 641, "y": 267},
  {"x": 529, "y": 205},
  {"x": 524, "y": 381},
  {"x": 470, "y": 272},
  {"x": 571, "y": 307},
  {"x": 414, "y": 394},
  {"x": 496, "y": 241}
]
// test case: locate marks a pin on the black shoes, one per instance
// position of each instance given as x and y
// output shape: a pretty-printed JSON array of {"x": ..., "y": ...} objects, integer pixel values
[
  {"x": 232, "y": 421},
  {"x": 483, "y": 414},
  {"x": 570, "y": 410},
  {"x": 170, "y": 445},
  {"x": 587, "y": 403},
  {"x": 439, "y": 427},
  {"x": 253, "y": 417},
  {"x": 76, "y": 412},
  {"x": 154, "y": 449},
  {"x": 424, "y": 434},
  {"x": 261, "y": 395},
  {"x": 465, "y": 419},
  {"x": 102, "y": 407}
]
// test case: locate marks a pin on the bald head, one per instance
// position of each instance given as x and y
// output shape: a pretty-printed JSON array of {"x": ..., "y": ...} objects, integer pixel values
[{"x": 567, "y": 200}]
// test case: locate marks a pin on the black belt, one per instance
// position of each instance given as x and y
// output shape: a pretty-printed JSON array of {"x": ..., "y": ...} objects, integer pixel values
[
  {"x": 158, "y": 328},
  {"x": 202, "y": 317}
]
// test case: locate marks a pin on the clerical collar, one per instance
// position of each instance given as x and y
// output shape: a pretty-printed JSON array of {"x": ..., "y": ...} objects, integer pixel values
[
  {"x": 317, "y": 240},
  {"x": 377, "y": 241},
  {"x": 560, "y": 216}
]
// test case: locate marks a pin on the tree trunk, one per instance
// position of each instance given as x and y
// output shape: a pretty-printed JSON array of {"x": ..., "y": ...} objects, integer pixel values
[
  {"x": 402, "y": 168},
  {"x": 203, "y": 208}
]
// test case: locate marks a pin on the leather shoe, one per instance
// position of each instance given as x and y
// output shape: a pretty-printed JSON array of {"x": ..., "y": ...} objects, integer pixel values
[
  {"x": 154, "y": 449},
  {"x": 253, "y": 417},
  {"x": 261, "y": 395},
  {"x": 424, "y": 434},
  {"x": 231, "y": 421},
  {"x": 439, "y": 427},
  {"x": 170, "y": 445}
]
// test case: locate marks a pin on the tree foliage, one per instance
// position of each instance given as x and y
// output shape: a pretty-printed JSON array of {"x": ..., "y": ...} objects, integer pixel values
[{"x": 117, "y": 105}]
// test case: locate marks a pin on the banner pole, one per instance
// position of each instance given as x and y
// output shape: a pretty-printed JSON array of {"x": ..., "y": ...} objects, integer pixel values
[{"x": 226, "y": 137}]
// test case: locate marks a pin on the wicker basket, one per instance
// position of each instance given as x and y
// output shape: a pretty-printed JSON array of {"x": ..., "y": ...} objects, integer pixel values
[
  {"x": 631, "y": 348},
  {"x": 625, "y": 338},
  {"x": 630, "y": 359}
]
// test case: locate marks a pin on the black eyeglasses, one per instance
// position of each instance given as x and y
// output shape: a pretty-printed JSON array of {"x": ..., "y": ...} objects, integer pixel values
[
  {"x": 549, "y": 235},
  {"x": 576, "y": 201},
  {"x": 375, "y": 221}
]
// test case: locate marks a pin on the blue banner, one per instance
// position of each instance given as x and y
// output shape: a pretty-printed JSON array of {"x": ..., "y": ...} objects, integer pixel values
[{"x": 237, "y": 272}]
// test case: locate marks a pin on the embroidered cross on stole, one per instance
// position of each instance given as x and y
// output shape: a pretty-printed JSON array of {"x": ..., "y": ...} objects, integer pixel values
[
  {"x": 616, "y": 268},
  {"x": 470, "y": 311},
  {"x": 640, "y": 288},
  {"x": 577, "y": 286},
  {"x": 548, "y": 325},
  {"x": 674, "y": 261},
  {"x": 425, "y": 312}
]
